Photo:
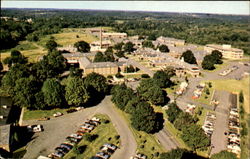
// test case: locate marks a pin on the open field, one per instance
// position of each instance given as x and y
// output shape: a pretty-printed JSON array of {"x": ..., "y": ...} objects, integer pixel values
[
  {"x": 106, "y": 134},
  {"x": 36, "y": 114},
  {"x": 235, "y": 86},
  {"x": 66, "y": 37},
  {"x": 147, "y": 143}
]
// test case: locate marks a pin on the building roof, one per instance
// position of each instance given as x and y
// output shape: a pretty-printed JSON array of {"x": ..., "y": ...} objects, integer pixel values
[
  {"x": 4, "y": 134},
  {"x": 5, "y": 107},
  {"x": 223, "y": 47},
  {"x": 169, "y": 39},
  {"x": 101, "y": 65},
  {"x": 114, "y": 34},
  {"x": 84, "y": 62},
  {"x": 78, "y": 54}
]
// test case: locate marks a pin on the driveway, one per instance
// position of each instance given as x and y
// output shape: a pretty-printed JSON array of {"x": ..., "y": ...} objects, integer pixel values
[{"x": 57, "y": 129}]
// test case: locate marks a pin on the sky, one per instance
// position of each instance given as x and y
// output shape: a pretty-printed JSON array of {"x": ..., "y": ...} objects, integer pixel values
[{"x": 216, "y": 7}]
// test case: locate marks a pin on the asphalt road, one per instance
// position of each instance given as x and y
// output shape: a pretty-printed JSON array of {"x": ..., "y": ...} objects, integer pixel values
[
  {"x": 57, "y": 129},
  {"x": 167, "y": 140},
  {"x": 141, "y": 67}
]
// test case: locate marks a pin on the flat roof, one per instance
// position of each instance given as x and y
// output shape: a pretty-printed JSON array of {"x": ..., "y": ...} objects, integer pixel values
[
  {"x": 4, "y": 134},
  {"x": 101, "y": 65},
  {"x": 220, "y": 47}
]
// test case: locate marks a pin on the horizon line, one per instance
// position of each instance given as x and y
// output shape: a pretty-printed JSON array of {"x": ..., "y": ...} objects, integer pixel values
[{"x": 183, "y": 12}]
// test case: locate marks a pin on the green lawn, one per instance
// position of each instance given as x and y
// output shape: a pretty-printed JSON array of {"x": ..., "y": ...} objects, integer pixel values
[
  {"x": 206, "y": 98},
  {"x": 146, "y": 143},
  {"x": 235, "y": 86},
  {"x": 106, "y": 134},
  {"x": 36, "y": 114}
]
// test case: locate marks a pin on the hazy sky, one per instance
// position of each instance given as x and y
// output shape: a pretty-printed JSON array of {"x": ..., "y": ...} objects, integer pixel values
[{"x": 223, "y": 7}]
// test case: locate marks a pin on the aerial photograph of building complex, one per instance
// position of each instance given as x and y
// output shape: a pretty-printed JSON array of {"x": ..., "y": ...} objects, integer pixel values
[{"x": 125, "y": 80}]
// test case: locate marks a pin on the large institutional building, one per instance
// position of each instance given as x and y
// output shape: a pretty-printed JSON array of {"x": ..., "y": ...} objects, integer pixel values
[{"x": 226, "y": 50}]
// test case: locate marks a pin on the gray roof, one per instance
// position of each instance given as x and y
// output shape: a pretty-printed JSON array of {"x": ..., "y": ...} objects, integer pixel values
[
  {"x": 84, "y": 62},
  {"x": 4, "y": 101},
  {"x": 78, "y": 54},
  {"x": 4, "y": 134},
  {"x": 101, "y": 65}
]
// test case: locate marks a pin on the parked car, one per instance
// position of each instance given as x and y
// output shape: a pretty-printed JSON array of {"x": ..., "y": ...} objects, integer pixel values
[
  {"x": 57, "y": 114},
  {"x": 35, "y": 128}
]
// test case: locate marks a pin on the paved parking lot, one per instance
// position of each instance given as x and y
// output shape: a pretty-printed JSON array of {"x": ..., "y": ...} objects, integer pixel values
[
  {"x": 57, "y": 129},
  {"x": 219, "y": 139}
]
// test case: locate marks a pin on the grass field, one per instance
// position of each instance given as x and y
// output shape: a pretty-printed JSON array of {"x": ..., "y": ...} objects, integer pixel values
[
  {"x": 33, "y": 50},
  {"x": 36, "y": 114},
  {"x": 204, "y": 98},
  {"x": 235, "y": 86},
  {"x": 106, "y": 134},
  {"x": 146, "y": 143}
]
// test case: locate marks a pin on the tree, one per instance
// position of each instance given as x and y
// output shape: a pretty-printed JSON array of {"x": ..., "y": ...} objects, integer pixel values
[
  {"x": 128, "y": 47},
  {"x": 189, "y": 57},
  {"x": 95, "y": 82},
  {"x": 1, "y": 66},
  {"x": 75, "y": 72},
  {"x": 118, "y": 46},
  {"x": 184, "y": 119},
  {"x": 147, "y": 43},
  {"x": 15, "y": 58},
  {"x": 224, "y": 155},
  {"x": 82, "y": 46},
  {"x": 120, "y": 54},
  {"x": 145, "y": 76},
  {"x": 99, "y": 57},
  {"x": 170, "y": 71},
  {"x": 179, "y": 153},
  {"x": 76, "y": 94},
  {"x": 16, "y": 72},
  {"x": 163, "y": 48},
  {"x": 162, "y": 79},
  {"x": 109, "y": 55},
  {"x": 217, "y": 56},
  {"x": 121, "y": 95},
  {"x": 24, "y": 91},
  {"x": 151, "y": 37},
  {"x": 131, "y": 105},
  {"x": 173, "y": 111},
  {"x": 53, "y": 92},
  {"x": 51, "y": 45},
  {"x": 149, "y": 90},
  {"x": 49, "y": 67},
  {"x": 208, "y": 63},
  {"x": 144, "y": 118},
  {"x": 241, "y": 97},
  {"x": 195, "y": 137}
]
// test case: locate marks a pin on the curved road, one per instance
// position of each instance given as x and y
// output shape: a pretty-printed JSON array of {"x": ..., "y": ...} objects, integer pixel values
[{"x": 58, "y": 128}]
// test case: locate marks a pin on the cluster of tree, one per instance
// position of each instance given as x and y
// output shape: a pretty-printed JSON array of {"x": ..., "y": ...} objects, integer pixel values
[
  {"x": 164, "y": 48},
  {"x": 180, "y": 154},
  {"x": 131, "y": 69},
  {"x": 82, "y": 46},
  {"x": 15, "y": 57},
  {"x": 37, "y": 86},
  {"x": 12, "y": 32},
  {"x": 143, "y": 116},
  {"x": 106, "y": 56},
  {"x": 189, "y": 57},
  {"x": 210, "y": 60},
  {"x": 192, "y": 134},
  {"x": 138, "y": 105}
]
